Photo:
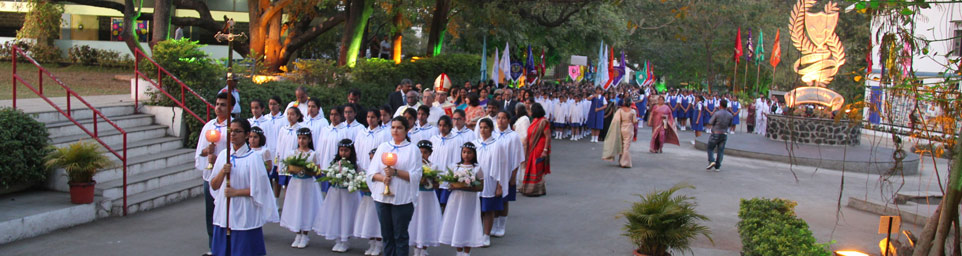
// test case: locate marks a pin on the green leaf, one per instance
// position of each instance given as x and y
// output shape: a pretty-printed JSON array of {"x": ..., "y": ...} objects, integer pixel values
[{"x": 907, "y": 11}]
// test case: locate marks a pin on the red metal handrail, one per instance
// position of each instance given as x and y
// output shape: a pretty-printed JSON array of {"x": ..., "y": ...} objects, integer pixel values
[
  {"x": 138, "y": 55},
  {"x": 15, "y": 51}
]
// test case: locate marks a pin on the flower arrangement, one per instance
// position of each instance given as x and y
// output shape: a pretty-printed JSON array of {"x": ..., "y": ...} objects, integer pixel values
[
  {"x": 338, "y": 174},
  {"x": 299, "y": 166},
  {"x": 459, "y": 179}
]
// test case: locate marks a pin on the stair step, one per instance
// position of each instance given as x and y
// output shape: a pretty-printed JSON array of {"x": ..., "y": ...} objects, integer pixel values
[
  {"x": 157, "y": 197},
  {"x": 148, "y": 181},
  {"x": 135, "y": 165},
  {"x": 112, "y": 137},
  {"x": 148, "y": 146},
  {"x": 81, "y": 110},
  {"x": 68, "y": 128}
]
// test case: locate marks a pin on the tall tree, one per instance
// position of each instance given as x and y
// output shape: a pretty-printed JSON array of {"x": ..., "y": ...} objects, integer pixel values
[{"x": 439, "y": 23}]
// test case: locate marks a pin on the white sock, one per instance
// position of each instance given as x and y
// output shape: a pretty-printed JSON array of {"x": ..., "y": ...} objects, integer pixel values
[{"x": 503, "y": 222}]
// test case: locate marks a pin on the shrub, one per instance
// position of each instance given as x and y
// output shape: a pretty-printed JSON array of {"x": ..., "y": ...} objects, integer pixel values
[
  {"x": 85, "y": 55},
  {"x": 662, "y": 221},
  {"x": 459, "y": 67},
  {"x": 185, "y": 60},
  {"x": 25, "y": 144},
  {"x": 317, "y": 72},
  {"x": 80, "y": 160},
  {"x": 770, "y": 227}
]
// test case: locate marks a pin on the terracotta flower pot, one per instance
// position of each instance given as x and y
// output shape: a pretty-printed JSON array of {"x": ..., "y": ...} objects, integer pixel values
[{"x": 82, "y": 192}]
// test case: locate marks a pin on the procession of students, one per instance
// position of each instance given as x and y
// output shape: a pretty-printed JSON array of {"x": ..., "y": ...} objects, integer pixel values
[{"x": 401, "y": 212}]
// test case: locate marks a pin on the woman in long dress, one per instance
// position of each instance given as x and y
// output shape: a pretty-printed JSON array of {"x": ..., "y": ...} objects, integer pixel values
[
  {"x": 336, "y": 218},
  {"x": 537, "y": 145},
  {"x": 662, "y": 126},
  {"x": 250, "y": 195},
  {"x": 461, "y": 222},
  {"x": 619, "y": 137}
]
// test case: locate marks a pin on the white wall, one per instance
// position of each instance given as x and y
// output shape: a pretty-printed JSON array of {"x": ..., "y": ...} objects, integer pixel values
[
  {"x": 933, "y": 24},
  {"x": 215, "y": 51}
]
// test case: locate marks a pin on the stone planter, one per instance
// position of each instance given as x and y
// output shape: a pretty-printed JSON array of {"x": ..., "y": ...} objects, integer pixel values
[{"x": 813, "y": 130}]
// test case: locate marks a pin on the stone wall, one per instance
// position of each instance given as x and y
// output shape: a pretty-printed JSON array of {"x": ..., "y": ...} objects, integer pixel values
[{"x": 813, "y": 130}]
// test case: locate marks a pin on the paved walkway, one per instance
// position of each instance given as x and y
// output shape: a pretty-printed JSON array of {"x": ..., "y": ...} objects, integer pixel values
[{"x": 577, "y": 217}]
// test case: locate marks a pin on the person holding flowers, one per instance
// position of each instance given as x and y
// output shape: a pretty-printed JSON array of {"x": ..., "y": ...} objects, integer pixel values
[
  {"x": 461, "y": 223},
  {"x": 287, "y": 140},
  {"x": 489, "y": 156},
  {"x": 250, "y": 194},
  {"x": 303, "y": 197},
  {"x": 365, "y": 223},
  {"x": 394, "y": 185},
  {"x": 425, "y": 224},
  {"x": 326, "y": 141},
  {"x": 336, "y": 219}
]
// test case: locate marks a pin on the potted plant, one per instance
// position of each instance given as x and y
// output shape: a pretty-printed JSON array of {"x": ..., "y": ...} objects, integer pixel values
[
  {"x": 661, "y": 222},
  {"x": 81, "y": 161}
]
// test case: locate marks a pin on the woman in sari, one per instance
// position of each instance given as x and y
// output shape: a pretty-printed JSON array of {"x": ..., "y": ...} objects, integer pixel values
[
  {"x": 662, "y": 126},
  {"x": 619, "y": 137},
  {"x": 474, "y": 111},
  {"x": 537, "y": 147}
]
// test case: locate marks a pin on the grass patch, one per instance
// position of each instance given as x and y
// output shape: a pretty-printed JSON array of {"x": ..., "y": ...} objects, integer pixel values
[{"x": 84, "y": 80}]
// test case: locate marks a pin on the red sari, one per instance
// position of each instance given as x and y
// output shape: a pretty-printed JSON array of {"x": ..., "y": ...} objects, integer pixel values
[{"x": 536, "y": 166}]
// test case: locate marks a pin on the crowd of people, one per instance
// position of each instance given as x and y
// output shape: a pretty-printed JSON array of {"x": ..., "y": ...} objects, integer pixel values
[
  {"x": 502, "y": 142},
  {"x": 499, "y": 136}
]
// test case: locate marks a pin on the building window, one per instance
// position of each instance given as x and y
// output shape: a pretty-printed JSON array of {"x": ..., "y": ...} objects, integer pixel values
[{"x": 957, "y": 39}]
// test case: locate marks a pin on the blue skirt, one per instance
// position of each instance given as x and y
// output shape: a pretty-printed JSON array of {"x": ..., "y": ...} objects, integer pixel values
[
  {"x": 682, "y": 113},
  {"x": 492, "y": 204},
  {"x": 735, "y": 118},
  {"x": 272, "y": 174},
  {"x": 242, "y": 242},
  {"x": 443, "y": 195},
  {"x": 697, "y": 122},
  {"x": 283, "y": 180},
  {"x": 596, "y": 120},
  {"x": 558, "y": 125},
  {"x": 512, "y": 194},
  {"x": 576, "y": 125}
]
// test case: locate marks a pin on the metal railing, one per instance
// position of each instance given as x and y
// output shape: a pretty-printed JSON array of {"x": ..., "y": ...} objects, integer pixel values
[
  {"x": 96, "y": 116},
  {"x": 161, "y": 72}
]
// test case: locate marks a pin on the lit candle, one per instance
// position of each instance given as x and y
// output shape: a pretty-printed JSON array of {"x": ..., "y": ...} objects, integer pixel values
[
  {"x": 389, "y": 159},
  {"x": 212, "y": 136}
]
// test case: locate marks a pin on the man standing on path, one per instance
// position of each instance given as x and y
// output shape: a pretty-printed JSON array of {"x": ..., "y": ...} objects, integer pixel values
[
  {"x": 207, "y": 152},
  {"x": 720, "y": 121}
]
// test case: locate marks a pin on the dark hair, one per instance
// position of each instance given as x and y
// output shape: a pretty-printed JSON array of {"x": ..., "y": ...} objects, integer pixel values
[
  {"x": 230, "y": 98},
  {"x": 426, "y": 144},
  {"x": 260, "y": 135},
  {"x": 537, "y": 111},
  {"x": 259, "y": 102},
  {"x": 354, "y": 91},
  {"x": 404, "y": 122},
  {"x": 316, "y": 102},
  {"x": 626, "y": 102},
  {"x": 473, "y": 99},
  {"x": 386, "y": 108},
  {"x": 300, "y": 116},
  {"x": 445, "y": 119},
  {"x": 723, "y": 103},
  {"x": 352, "y": 158},
  {"x": 275, "y": 98},
  {"x": 306, "y": 131},
  {"x": 459, "y": 111},
  {"x": 424, "y": 108},
  {"x": 377, "y": 113},
  {"x": 470, "y": 146},
  {"x": 352, "y": 106},
  {"x": 486, "y": 121},
  {"x": 519, "y": 111},
  {"x": 410, "y": 111},
  {"x": 502, "y": 112}
]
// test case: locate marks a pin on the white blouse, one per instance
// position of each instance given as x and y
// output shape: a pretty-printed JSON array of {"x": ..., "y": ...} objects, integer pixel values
[
  {"x": 365, "y": 141},
  {"x": 325, "y": 143},
  {"x": 446, "y": 151},
  {"x": 246, "y": 212},
  {"x": 408, "y": 159},
  {"x": 488, "y": 156},
  {"x": 513, "y": 152},
  {"x": 316, "y": 124},
  {"x": 286, "y": 145},
  {"x": 200, "y": 162}
]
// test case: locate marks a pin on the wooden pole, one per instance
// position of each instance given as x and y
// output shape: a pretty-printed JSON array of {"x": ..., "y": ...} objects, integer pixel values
[
  {"x": 758, "y": 76},
  {"x": 745, "y": 83},
  {"x": 734, "y": 77}
]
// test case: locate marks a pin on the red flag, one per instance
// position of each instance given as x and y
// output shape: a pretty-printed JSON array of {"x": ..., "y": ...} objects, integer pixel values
[
  {"x": 738, "y": 46},
  {"x": 541, "y": 67},
  {"x": 611, "y": 69},
  {"x": 776, "y": 51}
]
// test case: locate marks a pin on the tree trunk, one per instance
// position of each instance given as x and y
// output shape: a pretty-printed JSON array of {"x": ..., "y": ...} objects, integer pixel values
[
  {"x": 398, "y": 19},
  {"x": 933, "y": 237},
  {"x": 439, "y": 21},
  {"x": 272, "y": 47},
  {"x": 162, "y": 14},
  {"x": 360, "y": 10},
  {"x": 353, "y": 14},
  {"x": 130, "y": 14}
]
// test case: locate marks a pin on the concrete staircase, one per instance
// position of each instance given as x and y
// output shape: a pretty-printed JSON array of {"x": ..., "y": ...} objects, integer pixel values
[{"x": 159, "y": 169}]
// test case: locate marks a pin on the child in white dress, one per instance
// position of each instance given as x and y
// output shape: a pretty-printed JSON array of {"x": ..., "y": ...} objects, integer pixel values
[
  {"x": 461, "y": 223},
  {"x": 366, "y": 224},
  {"x": 336, "y": 219},
  {"x": 303, "y": 197},
  {"x": 425, "y": 228}
]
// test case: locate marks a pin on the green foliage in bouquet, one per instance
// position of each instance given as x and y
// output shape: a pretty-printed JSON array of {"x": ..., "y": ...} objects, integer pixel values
[{"x": 298, "y": 165}]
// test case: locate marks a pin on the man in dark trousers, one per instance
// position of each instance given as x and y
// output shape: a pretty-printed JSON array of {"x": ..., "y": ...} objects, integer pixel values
[
  {"x": 397, "y": 99},
  {"x": 720, "y": 123}
]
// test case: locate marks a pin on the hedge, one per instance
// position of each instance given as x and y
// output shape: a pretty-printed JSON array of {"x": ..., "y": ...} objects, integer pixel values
[
  {"x": 25, "y": 144},
  {"x": 375, "y": 78},
  {"x": 769, "y": 227}
]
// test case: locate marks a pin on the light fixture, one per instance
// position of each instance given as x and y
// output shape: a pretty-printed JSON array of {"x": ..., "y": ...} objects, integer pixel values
[
  {"x": 261, "y": 79},
  {"x": 80, "y": 27},
  {"x": 850, "y": 253}
]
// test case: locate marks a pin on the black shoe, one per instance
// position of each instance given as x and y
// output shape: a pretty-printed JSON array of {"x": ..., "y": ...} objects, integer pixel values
[{"x": 710, "y": 165}]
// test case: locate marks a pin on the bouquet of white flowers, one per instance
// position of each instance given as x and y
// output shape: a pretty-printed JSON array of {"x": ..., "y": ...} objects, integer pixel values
[
  {"x": 340, "y": 174},
  {"x": 358, "y": 182},
  {"x": 461, "y": 178}
]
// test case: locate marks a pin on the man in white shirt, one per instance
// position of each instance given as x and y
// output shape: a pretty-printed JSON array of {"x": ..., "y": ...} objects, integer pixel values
[
  {"x": 206, "y": 152},
  {"x": 300, "y": 101},
  {"x": 436, "y": 111},
  {"x": 412, "y": 102}
]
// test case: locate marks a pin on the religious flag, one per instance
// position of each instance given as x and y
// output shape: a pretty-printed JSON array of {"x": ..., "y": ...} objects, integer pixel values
[
  {"x": 541, "y": 68},
  {"x": 760, "y": 51},
  {"x": 506, "y": 63},
  {"x": 776, "y": 51},
  {"x": 650, "y": 73},
  {"x": 738, "y": 46},
  {"x": 601, "y": 63},
  {"x": 641, "y": 78},
  {"x": 484, "y": 60},
  {"x": 496, "y": 69},
  {"x": 529, "y": 63},
  {"x": 530, "y": 69},
  {"x": 601, "y": 73},
  {"x": 750, "y": 48},
  {"x": 620, "y": 70},
  {"x": 583, "y": 72}
]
